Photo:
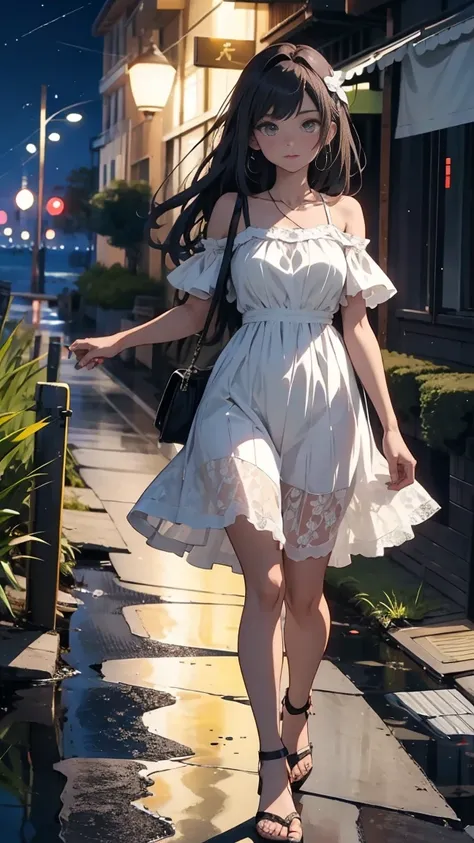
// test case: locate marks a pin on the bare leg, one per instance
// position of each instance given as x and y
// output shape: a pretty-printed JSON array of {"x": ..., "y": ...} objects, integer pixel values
[
  {"x": 261, "y": 658},
  {"x": 307, "y": 627}
]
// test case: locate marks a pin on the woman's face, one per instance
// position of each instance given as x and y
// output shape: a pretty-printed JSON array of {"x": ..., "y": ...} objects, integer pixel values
[{"x": 294, "y": 142}]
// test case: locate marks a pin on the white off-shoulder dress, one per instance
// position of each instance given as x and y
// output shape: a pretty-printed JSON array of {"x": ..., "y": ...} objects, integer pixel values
[{"x": 281, "y": 435}]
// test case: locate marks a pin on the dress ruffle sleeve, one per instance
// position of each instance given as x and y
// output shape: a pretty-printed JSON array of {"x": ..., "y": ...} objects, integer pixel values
[
  {"x": 198, "y": 275},
  {"x": 364, "y": 275}
]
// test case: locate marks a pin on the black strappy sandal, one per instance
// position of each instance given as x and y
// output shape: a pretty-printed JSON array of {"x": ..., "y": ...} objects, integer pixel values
[
  {"x": 295, "y": 757},
  {"x": 274, "y": 818}
]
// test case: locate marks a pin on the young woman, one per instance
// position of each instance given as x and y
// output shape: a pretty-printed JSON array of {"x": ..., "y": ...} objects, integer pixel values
[{"x": 280, "y": 475}]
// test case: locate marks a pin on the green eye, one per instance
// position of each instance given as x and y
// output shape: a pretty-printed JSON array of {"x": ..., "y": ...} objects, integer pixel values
[
  {"x": 310, "y": 126},
  {"x": 268, "y": 128}
]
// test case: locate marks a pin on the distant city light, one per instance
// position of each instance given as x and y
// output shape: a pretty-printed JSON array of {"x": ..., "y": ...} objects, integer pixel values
[
  {"x": 61, "y": 247},
  {"x": 25, "y": 235},
  {"x": 50, "y": 234},
  {"x": 30, "y": 147},
  {"x": 24, "y": 199},
  {"x": 55, "y": 206},
  {"x": 8, "y": 232},
  {"x": 3, "y": 217},
  {"x": 10, "y": 239},
  {"x": 74, "y": 117},
  {"x": 54, "y": 136}
]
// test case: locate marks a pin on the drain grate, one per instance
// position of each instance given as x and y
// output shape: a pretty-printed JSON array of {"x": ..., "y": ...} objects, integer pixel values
[{"x": 453, "y": 646}]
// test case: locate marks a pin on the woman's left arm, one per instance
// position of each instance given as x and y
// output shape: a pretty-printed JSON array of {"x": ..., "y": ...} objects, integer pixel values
[{"x": 364, "y": 351}]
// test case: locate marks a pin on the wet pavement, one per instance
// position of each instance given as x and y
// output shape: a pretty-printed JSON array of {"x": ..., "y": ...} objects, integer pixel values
[{"x": 151, "y": 736}]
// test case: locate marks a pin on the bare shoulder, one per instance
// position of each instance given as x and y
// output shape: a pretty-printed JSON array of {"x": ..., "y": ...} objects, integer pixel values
[
  {"x": 351, "y": 215},
  {"x": 221, "y": 216}
]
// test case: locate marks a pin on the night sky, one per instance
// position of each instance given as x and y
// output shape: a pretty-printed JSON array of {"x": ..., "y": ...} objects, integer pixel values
[{"x": 72, "y": 75}]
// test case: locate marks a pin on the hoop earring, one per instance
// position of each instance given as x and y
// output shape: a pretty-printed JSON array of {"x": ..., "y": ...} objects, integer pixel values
[
  {"x": 326, "y": 161},
  {"x": 251, "y": 158}
]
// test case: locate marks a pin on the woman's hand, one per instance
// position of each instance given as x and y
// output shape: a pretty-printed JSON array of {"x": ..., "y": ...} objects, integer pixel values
[
  {"x": 90, "y": 352},
  {"x": 401, "y": 462}
]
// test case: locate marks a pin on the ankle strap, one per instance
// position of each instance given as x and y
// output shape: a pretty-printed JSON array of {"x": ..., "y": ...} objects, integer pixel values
[
  {"x": 273, "y": 755},
  {"x": 292, "y": 710}
]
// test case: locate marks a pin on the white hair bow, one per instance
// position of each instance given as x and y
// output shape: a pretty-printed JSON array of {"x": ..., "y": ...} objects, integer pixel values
[{"x": 334, "y": 84}]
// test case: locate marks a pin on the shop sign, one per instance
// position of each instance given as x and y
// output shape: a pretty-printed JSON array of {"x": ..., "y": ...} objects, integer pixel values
[{"x": 222, "y": 52}]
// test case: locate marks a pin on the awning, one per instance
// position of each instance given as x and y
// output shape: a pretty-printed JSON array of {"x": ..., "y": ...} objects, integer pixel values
[
  {"x": 436, "y": 89},
  {"x": 427, "y": 39}
]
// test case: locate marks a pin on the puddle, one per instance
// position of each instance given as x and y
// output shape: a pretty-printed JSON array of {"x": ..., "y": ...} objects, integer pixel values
[
  {"x": 208, "y": 627},
  {"x": 30, "y": 788}
]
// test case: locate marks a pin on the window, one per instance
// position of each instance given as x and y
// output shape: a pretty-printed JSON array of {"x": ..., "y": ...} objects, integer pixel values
[
  {"x": 191, "y": 154},
  {"x": 106, "y": 112},
  {"x": 141, "y": 170},
  {"x": 120, "y": 104},
  {"x": 113, "y": 109},
  {"x": 112, "y": 170},
  {"x": 457, "y": 285},
  {"x": 104, "y": 175}
]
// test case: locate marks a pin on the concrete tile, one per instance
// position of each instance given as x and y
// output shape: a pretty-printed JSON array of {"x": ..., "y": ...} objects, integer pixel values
[
  {"x": 108, "y": 488},
  {"x": 179, "y": 595},
  {"x": 84, "y": 496},
  {"x": 379, "y": 826},
  {"x": 120, "y": 460},
  {"x": 210, "y": 627},
  {"x": 82, "y": 437},
  {"x": 27, "y": 655},
  {"x": 331, "y": 679},
  {"x": 155, "y": 567},
  {"x": 92, "y": 531},
  {"x": 327, "y": 820},
  {"x": 359, "y": 760},
  {"x": 204, "y": 803},
  {"x": 221, "y": 732}
]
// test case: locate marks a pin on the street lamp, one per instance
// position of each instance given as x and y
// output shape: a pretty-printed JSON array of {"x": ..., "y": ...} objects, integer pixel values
[
  {"x": 151, "y": 80},
  {"x": 24, "y": 199},
  {"x": 31, "y": 148},
  {"x": 54, "y": 137},
  {"x": 44, "y": 120}
]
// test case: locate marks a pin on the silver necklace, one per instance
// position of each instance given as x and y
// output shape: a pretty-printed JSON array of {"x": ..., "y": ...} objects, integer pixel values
[{"x": 280, "y": 201}]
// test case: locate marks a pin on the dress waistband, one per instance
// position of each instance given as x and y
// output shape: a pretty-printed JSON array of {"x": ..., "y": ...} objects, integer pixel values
[{"x": 284, "y": 314}]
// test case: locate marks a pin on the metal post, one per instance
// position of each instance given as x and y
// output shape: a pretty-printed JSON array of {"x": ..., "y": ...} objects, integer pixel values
[
  {"x": 5, "y": 296},
  {"x": 52, "y": 402},
  {"x": 54, "y": 357},
  {"x": 39, "y": 208},
  {"x": 36, "y": 347}
]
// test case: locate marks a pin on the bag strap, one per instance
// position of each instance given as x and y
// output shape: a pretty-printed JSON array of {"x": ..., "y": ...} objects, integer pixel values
[{"x": 222, "y": 278}]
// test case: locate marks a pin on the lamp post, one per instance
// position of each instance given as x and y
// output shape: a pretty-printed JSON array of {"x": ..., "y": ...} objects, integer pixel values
[{"x": 74, "y": 117}]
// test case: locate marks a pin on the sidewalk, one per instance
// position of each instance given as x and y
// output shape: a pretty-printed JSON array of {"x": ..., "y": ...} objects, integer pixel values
[{"x": 163, "y": 636}]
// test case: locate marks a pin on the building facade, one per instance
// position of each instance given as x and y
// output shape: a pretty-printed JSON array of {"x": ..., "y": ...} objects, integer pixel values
[{"x": 134, "y": 147}]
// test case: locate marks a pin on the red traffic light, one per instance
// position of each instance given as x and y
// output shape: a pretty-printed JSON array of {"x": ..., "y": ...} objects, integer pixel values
[
  {"x": 55, "y": 206},
  {"x": 3, "y": 217}
]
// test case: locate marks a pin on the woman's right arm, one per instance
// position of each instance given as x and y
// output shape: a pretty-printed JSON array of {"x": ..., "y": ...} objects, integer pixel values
[{"x": 178, "y": 323}]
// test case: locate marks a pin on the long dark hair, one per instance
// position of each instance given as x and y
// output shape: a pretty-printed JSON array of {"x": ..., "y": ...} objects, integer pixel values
[{"x": 273, "y": 82}]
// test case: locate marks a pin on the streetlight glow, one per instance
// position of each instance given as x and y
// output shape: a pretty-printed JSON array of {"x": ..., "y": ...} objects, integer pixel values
[
  {"x": 50, "y": 234},
  {"x": 25, "y": 235},
  {"x": 31, "y": 148},
  {"x": 54, "y": 137},
  {"x": 24, "y": 199},
  {"x": 151, "y": 80},
  {"x": 74, "y": 117},
  {"x": 8, "y": 232}
]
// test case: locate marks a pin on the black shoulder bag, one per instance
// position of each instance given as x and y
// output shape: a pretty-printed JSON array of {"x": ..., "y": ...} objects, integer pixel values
[{"x": 185, "y": 388}]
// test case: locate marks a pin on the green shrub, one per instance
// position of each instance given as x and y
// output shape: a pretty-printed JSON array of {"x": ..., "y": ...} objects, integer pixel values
[
  {"x": 405, "y": 376},
  {"x": 447, "y": 410},
  {"x": 115, "y": 288}
]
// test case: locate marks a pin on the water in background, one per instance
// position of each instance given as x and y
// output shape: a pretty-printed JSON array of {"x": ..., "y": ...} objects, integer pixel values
[{"x": 16, "y": 268}]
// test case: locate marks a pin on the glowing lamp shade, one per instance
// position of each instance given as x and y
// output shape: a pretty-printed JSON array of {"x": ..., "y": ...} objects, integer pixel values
[
  {"x": 50, "y": 234},
  {"x": 3, "y": 217},
  {"x": 24, "y": 199},
  {"x": 55, "y": 206},
  {"x": 8, "y": 232},
  {"x": 25, "y": 235},
  {"x": 151, "y": 80},
  {"x": 74, "y": 117},
  {"x": 54, "y": 136},
  {"x": 31, "y": 148}
]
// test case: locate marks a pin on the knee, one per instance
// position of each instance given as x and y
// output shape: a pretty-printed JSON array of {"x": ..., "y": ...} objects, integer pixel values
[
  {"x": 302, "y": 603},
  {"x": 268, "y": 591}
]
